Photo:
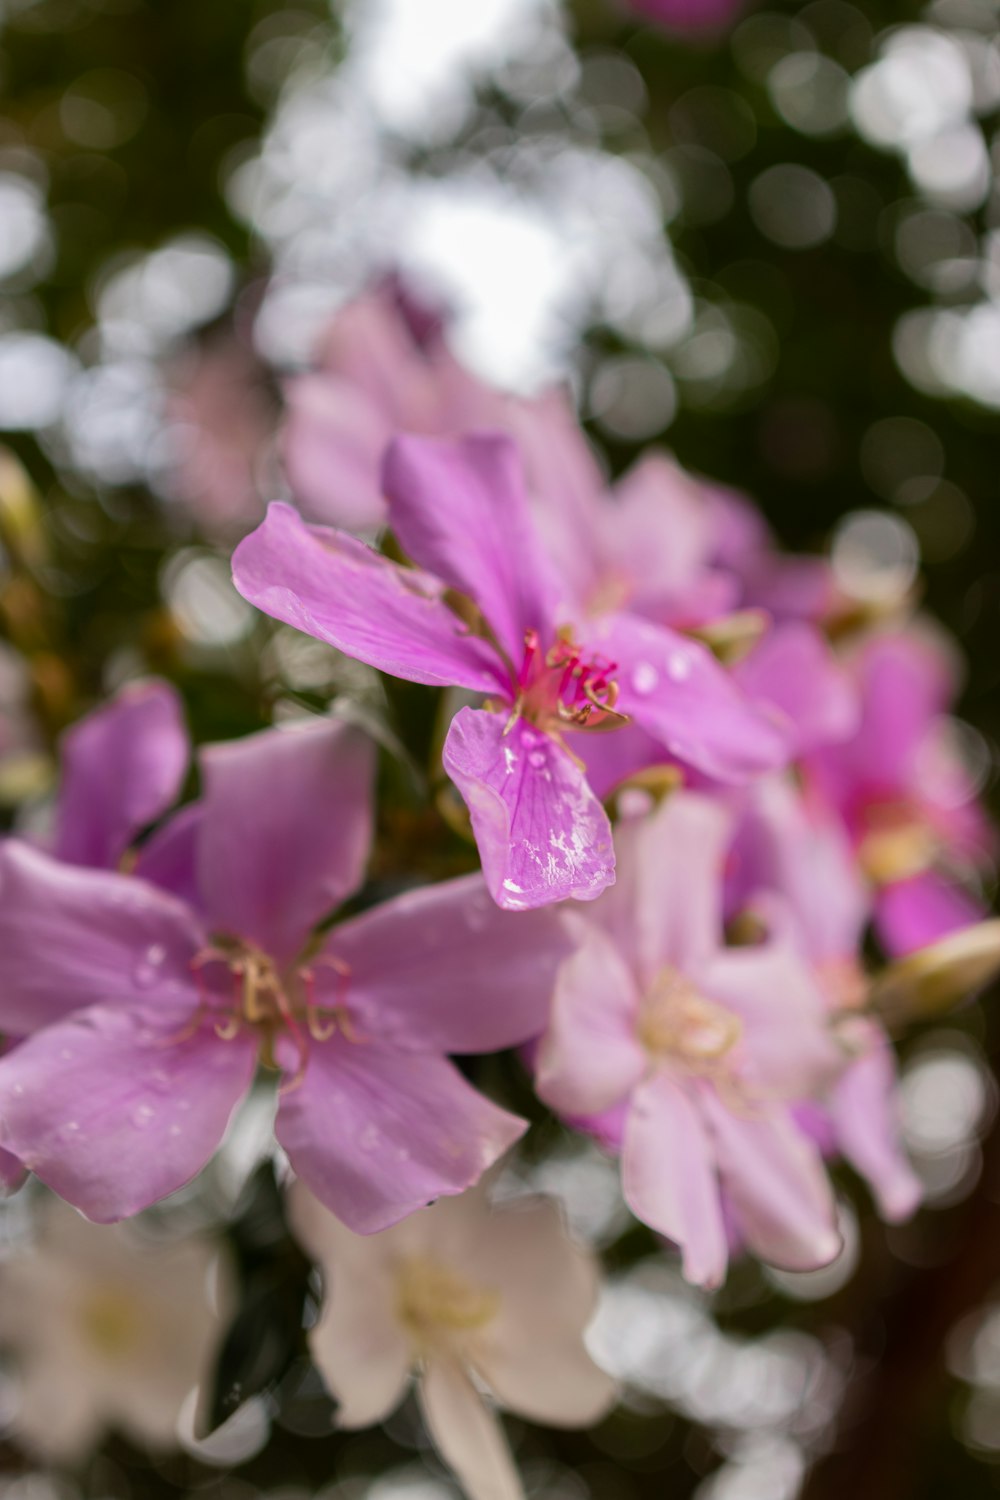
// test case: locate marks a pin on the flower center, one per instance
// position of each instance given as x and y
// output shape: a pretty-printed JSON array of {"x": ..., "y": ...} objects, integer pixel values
[
  {"x": 897, "y": 843},
  {"x": 239, "y": 985},
  {"x": 111, "y": 1322},
  {"x": 562, "y": 688},
  {"x": 432, "y": 1299},
  {"x": 678, "y": 1023}
]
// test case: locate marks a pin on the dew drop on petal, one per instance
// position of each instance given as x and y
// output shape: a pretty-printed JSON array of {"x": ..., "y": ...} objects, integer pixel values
[
  {"x": 645, "y": 678},
  {"x": 143, "y": 1114},
  {"x": 529, "y": 737},
  {"x": 678, "y": 665},
  {"x": 537, "y": 759},
  {"x": 369, "y": 1138}
]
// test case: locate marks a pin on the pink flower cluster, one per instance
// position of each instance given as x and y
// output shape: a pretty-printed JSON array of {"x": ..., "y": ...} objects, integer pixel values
[{"x": 697, "y": 776}]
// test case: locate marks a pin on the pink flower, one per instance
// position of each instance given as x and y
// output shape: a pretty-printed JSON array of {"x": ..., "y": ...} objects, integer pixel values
[
  {"x": 905, "y": 795},
  {"x": 489, "y": 615},
  {"x": 144, "y": 1011},
  {"x": 702, "y": 1049},
  {"x": 384, "y": 368},
  {"x": 791, "y": 849}
]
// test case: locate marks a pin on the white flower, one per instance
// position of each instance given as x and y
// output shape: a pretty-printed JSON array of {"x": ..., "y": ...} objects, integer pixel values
[
  {"x": 106, "y": 1330},
  {"x": 467, "y": 1296}
]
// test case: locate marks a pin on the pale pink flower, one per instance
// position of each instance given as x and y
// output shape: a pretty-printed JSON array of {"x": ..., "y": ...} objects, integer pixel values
[
  {"x": 702, "y": 1050},
  {"x": 108, "y": 1332},
  {"x": 460, "y": 1297}
]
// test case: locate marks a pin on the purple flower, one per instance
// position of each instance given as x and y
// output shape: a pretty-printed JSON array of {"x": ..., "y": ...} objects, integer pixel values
[
  {"x": 905, "y": 794},
  {"x": 489, "y": 615},
  {"x": 144, "y": 1013},
  {"x": 701, "y": 1050}
]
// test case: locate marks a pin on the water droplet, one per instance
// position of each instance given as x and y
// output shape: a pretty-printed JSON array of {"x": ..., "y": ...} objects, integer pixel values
[
  {"x": 537, "y": 759},
  {"x": 678, "y": 665},
  {"x": 144, "y": 975},
  {"x": 17, "y": 1090},
  {"x": 529, "y": 737},
  {"x": 160, "y": 1075},
  {"x": 369, "y": 1138},
  {"x": 175, "y": 1130},
  {"x": 72, "y": 1125},
  {"x": 402, "y": 1153},
  {"x": 184, "y": 1104},
  {"x": 143, "y": 1114},
  {"x": 645, "y": 678},
  {"x": 66, "y": 1053}
]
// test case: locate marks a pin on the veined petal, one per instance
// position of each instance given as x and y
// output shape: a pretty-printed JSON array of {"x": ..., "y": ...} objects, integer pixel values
[
  {"x": 669, "y": 1177},
  {"x": 70, "y": 938},
  {"x": 122, "y": 767},
  {"x": 466, "y": 1433},
  {"x": 589, "y": 1058},
  {"x": 777, "y": 1184},
  {"x": 675, "y": 689},
  {"x": 542, "y": 834},
  {"x": 333, "y": 587},
  {"x": 443, "y": 969},
  {"x": 286, "y": 830},
  {"x": 113, "y": 1111},
  {"x": 375, "y": 1132},
  {"x": 459, "y": 509}
]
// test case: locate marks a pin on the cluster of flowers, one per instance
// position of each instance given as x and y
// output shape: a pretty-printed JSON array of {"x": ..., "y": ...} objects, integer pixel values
[{"x": 684, "y": 975}]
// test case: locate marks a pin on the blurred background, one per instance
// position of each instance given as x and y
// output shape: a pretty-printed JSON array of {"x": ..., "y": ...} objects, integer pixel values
[{"x": 772, "y": 244}]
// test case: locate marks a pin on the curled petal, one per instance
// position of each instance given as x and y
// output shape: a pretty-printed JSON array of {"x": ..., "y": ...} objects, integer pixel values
[{"x": 542, "y": 834}]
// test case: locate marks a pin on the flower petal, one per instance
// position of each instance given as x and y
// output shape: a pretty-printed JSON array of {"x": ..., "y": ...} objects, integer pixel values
[
  {"x": 122, "y": 767},
  {"x": 286, "y": 830},
  {"x": 864, "y": 1114},
  {"x": 333, "y": 587},
  {"x": 113, "y": 1112},
  {"x": 777, "y": 1184},
  {"x": 589, "y": 1057},
  {"x": 376, "y": 1133},
  {"x": 794, "y": 670},
  {"x": 910, "y": 914},
  {"x": 542, "y": 834},
  {"x": 169, "y": 858},
  {"x": 71, "y": 938},
  {"x": 459, "y": 509},
  {"x": 466, "y": 1433},
  {"x": 674, "y": 688},
  {"x": 358, "y": 1345},
  {"x": 442, "y": 968},
  {"x": 534, "y": 1359},
  {"x": 332, "y": 444},
  {"x": 669, "y": 1177},
  {"x": 786, "y": 1040},
  {"x": 666, "y": 904}
]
